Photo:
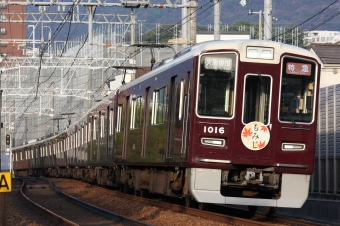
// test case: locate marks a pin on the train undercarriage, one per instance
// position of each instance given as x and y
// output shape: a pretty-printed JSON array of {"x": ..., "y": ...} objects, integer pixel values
[{"x": 241, "y": 181}]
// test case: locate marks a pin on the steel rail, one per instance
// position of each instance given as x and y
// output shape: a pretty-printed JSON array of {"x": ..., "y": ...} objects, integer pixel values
[
  {"x": 54, "y": 216},
  {"x": 100, "y": 211}
]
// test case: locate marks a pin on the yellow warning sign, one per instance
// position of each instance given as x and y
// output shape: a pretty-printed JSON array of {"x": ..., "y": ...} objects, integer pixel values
[{"x": 5, "y": 182}]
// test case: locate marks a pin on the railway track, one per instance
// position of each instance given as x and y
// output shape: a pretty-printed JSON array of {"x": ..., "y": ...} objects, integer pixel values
[
  {"x": 19, "y": 212},
  {"x": 222, "y": 214},
  {"x": 66, "y": 210}
]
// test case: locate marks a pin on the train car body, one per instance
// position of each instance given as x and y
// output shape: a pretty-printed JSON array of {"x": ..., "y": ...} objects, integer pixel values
[{"x": 228, "y": 122}]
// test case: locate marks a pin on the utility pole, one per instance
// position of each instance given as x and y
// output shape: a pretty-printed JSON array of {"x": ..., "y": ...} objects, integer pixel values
[
  {"x": 217, "y": 33},
  {"x": 192, "y": 22},
  {"x": 184, "y": 32},
  {"x": 90, "y": 11},
  {"x": 250, "y": 12},
  {"x": 268, "y": 19},
  {"x": 133, "y": 38}
]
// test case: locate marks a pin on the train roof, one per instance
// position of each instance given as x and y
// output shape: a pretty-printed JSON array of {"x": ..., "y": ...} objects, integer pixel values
[
  {"x": 238, "y": 45},
  {"x": 39, "y": 141}
]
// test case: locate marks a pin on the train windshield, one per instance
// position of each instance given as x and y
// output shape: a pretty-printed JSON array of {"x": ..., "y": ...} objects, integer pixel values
[
  {"x": 256, "y": 98},
  {"x": 216, "y": 84},
  {"x": 297, "y": 90}
]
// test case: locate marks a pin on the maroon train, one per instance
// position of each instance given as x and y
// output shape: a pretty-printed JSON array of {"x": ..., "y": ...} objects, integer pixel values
[{"x": 229, "y": 122}]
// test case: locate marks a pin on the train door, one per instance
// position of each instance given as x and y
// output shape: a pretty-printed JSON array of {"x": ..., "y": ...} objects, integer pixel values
[
  {"x": 171, "y": 114},
  {"x": 253, "y": 125},
  {"x": 178, "y": 117}
]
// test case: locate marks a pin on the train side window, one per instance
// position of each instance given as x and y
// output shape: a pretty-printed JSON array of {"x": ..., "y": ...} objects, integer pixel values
[
  {"x": 257, "y": 96},
  {"x": 158, "y": 108},
  {"x": 82, "y": 136},
  {"x": 136, "y": 113},
  {"x": 119, "y": 118},
  {"x": 181, "y": 99},
  {"x": 94, "y": 128},
  {"x": 102, "y": 126},
  {"x": 111, "y": 118},
  {"x": 89, "y": 132},
  {"x": 79, "y": 136},
  {"x": 216, "y": 85}
]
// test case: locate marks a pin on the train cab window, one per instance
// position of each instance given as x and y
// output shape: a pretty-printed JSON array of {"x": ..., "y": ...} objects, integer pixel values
[
  {"x": 256, "y": 102},
  {"x": 111, "y": 118},
  {"x": 158, "y": 107},
  {"x": 119, "y": 118},
  {"x": 136, "y": 113},
  {"x": 216, "y": 82},
  {"x": 297, "y": 90}
]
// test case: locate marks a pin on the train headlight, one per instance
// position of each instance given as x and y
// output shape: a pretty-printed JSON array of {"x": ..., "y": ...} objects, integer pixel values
[
  {"x": 293, "y": 147},
  {"x": 255, "y": 52},
  {"x": 213, "y": 142}
]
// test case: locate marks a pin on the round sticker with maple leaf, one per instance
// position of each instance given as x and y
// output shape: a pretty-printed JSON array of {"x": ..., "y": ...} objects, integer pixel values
[{"x": 255, "y": 136}]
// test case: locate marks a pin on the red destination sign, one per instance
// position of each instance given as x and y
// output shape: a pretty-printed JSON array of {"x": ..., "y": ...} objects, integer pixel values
[{"x": 298, "y": 69}]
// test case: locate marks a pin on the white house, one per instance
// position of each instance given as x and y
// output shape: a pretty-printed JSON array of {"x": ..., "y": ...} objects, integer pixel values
[{"x": 321, "y": 37}]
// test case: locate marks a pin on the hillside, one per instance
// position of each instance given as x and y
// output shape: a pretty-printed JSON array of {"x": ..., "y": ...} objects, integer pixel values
[{"x": 288, "y": 12}]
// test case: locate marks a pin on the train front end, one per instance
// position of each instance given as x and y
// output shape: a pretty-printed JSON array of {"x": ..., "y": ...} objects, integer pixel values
[{"x": 253, "y": 127}]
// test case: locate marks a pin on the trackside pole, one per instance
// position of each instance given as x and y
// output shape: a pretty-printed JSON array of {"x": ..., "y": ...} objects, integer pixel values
[{"x": 2, "y": 195}]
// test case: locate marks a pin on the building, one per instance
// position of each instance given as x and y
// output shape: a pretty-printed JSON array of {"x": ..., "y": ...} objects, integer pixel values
[
  {"x": 330, "y": 68},
  {"x": 11, "y": 34},
  {"x": 203, "y": 36},
  {"x": 326, "y": 37}
]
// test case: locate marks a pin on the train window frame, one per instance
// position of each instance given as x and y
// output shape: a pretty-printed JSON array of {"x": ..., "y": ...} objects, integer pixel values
[
  {"x": 268, "y": 101},
  {"x": 314, "y": 67},
  {"x": 136, "y": 118},
  {"x": 156, "y": 109},
  {"x": 234, "y": 94}
]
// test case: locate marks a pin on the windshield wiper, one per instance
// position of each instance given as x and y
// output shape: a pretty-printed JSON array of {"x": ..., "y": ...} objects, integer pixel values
[{"x": 289, "y": 115}]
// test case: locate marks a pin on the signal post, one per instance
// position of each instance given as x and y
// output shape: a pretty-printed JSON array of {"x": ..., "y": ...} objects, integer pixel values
[{"x": 5, "y": 177}]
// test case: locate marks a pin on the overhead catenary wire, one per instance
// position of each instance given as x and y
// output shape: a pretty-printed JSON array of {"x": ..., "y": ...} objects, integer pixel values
[{"x": 308, "y": 19}]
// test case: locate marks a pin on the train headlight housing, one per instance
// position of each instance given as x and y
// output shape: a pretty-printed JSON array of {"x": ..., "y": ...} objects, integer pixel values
[
  {"x": 213, "y": 141},
  {"x": 293, "y": 147},
  {"x": 255, "y": 52}
]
